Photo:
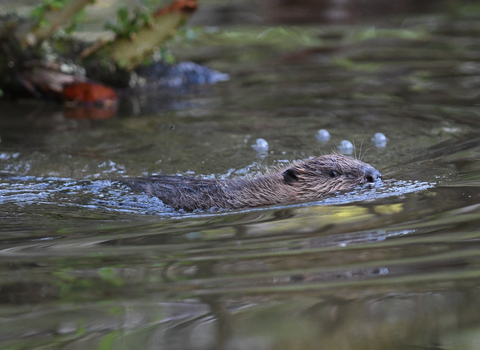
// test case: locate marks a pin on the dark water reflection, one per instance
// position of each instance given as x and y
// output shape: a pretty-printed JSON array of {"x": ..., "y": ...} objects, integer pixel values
[{"x": 86, "y": 263}]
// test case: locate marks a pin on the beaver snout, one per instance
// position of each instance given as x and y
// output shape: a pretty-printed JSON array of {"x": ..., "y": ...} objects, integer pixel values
[{"x": 372, "y": 175}]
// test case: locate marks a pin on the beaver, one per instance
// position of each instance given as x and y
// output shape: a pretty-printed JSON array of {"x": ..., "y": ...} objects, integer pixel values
[{"x": 301, "y": 181}]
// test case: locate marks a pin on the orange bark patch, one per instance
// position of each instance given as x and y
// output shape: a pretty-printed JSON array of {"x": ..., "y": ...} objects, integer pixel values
[{"x": 88, "y": 93}]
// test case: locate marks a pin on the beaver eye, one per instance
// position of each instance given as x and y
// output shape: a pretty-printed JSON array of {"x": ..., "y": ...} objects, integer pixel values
[{"x": 333, "y": 173}]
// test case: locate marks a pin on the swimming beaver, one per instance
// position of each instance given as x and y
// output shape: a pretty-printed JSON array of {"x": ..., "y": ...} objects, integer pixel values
[{"x": 300, "y": 181}]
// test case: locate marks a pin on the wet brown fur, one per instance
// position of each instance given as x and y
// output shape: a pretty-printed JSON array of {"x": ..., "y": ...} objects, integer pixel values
[{"x": 300, "y": 181}]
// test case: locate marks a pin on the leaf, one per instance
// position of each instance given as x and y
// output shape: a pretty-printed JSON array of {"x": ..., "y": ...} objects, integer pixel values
[
  {"x": 38, "y": 12},
  {"x": 57, "y": 5},
  {"x": 78, "y": 17},
  {"x": 123, "y": 16}
]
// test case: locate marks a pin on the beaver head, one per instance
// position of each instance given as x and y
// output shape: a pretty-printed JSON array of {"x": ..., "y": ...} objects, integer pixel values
[{"x": 319, "y": 176}]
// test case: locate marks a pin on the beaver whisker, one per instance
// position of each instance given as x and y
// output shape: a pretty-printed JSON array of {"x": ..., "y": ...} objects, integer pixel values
[{"x": 368, "y": 149}]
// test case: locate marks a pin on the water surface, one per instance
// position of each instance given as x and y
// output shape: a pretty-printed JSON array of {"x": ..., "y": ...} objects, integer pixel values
[{"x": 87, "y": 263}]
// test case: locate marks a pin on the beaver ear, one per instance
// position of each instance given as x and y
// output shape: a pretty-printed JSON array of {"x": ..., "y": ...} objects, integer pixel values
[{"x": 290, "y": 176}]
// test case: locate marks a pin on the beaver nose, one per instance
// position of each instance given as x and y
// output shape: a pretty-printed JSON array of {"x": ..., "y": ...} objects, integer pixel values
[{"x": 372, "y": 175}]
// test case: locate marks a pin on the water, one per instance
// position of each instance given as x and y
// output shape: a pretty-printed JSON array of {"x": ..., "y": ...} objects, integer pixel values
[{"x": 87, "y": 263}]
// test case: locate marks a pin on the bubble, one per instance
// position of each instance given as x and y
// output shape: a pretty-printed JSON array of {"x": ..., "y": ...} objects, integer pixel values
[
  {"x": 322, "y": 135},
  {"x": 260, "y": 146},
  {"x": 380, "y": 140},
  {"x": 345, "y": 147}
]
